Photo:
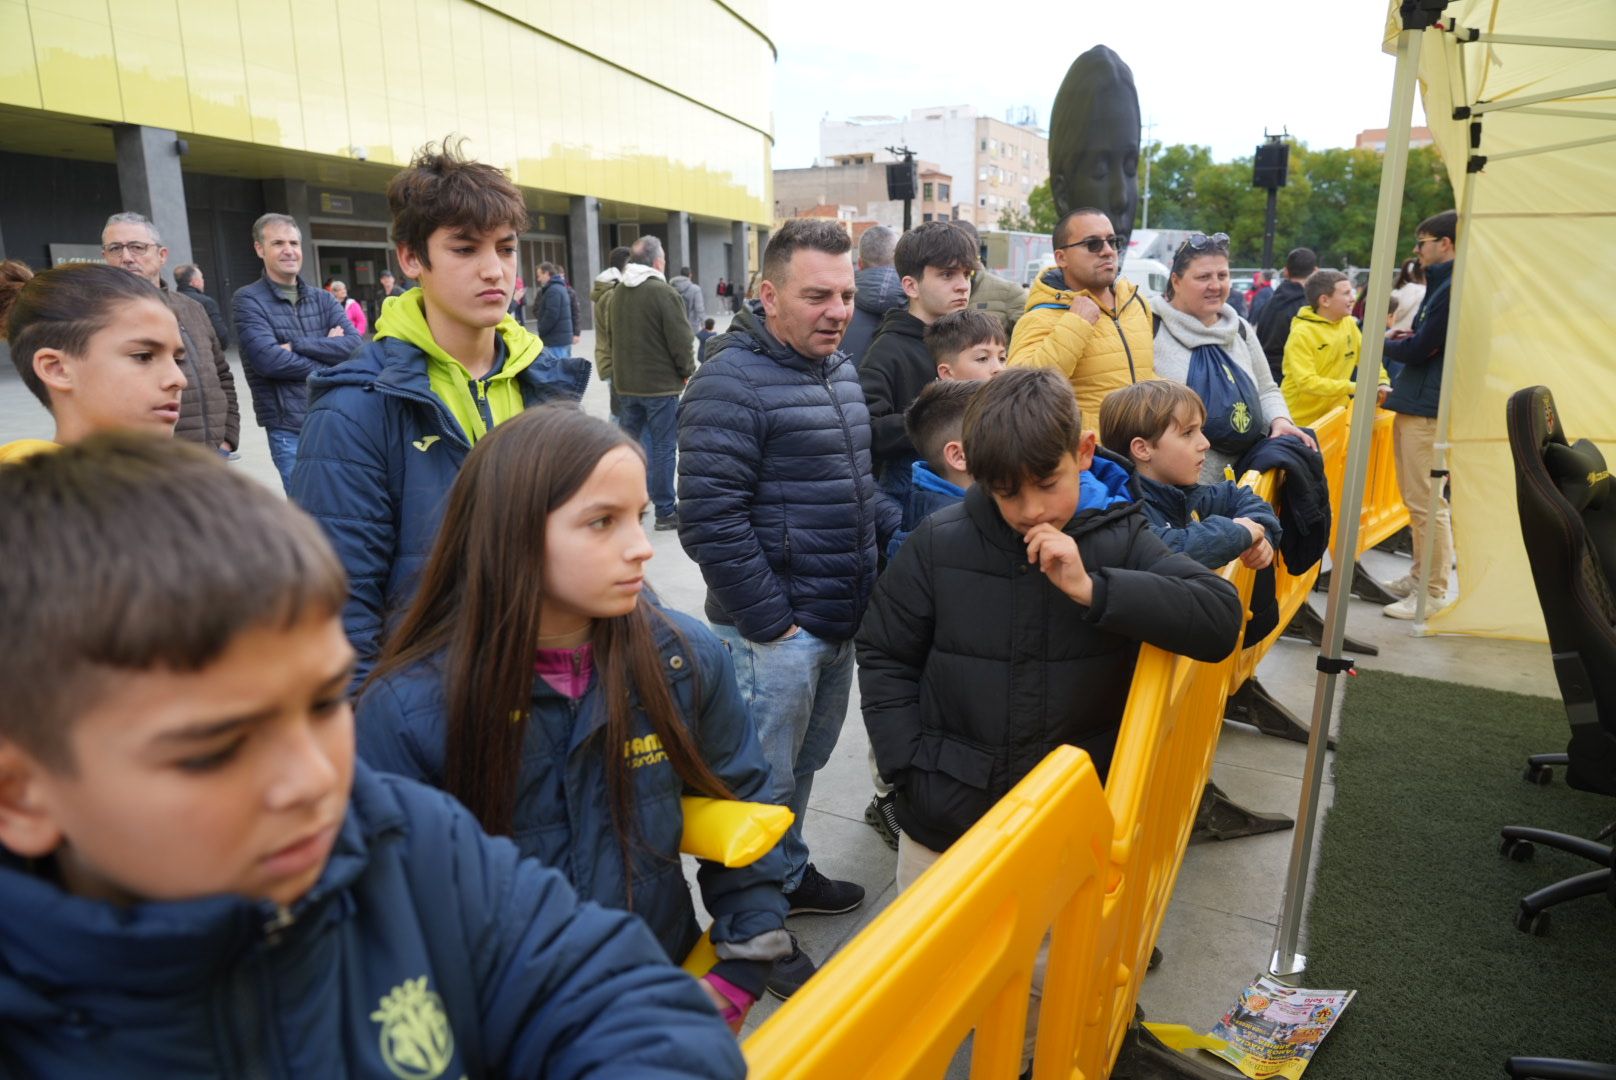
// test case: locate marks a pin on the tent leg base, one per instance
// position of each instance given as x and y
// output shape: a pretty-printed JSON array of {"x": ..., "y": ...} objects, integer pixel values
[
  {"x": 1221, "y": 818},
  {"x": 1308, "y": 626},
  {"x": 1253, "y": 704}
]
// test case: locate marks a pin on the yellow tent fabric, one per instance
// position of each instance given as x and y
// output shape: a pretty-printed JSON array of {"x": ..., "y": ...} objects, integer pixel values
[{"x": 1537, "y": 304}]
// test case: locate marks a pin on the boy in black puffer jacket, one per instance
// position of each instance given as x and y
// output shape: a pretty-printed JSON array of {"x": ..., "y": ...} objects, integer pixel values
[{"x": 1009, "y": 624}]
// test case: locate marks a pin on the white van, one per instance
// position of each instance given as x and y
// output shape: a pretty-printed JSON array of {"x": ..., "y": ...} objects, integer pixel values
[{"x": 1149, "y": 274}]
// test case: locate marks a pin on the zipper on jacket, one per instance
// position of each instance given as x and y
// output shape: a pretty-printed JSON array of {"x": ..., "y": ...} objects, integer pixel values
[
  {"x": 479, "y": 394},
  {"x": 858, "y": 488}
]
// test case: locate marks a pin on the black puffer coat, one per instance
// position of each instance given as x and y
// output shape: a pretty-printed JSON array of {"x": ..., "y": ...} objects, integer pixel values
[
  {"x": 973, "y": 667},
  {"x": 776, "y": 501}
]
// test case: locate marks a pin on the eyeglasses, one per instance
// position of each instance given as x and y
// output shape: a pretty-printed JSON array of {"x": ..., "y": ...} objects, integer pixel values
[
  {"x": 135, "y": 248},
  {"x": 1096, "y": 244}
]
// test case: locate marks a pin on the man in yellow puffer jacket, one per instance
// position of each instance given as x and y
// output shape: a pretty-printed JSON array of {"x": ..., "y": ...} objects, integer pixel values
[
  {"x": 1084, "y": 320},
  {"x": 1321, "y": 354}
]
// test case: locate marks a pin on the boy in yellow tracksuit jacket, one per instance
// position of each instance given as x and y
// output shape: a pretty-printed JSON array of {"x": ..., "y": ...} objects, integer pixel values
[{"x": 1321, "y": 354}]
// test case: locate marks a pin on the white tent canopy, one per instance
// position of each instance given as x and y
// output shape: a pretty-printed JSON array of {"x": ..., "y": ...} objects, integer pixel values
[{"x": 1535, "y": 85}]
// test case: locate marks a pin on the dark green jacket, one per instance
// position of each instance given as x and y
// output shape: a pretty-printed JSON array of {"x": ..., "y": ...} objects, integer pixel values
[{"x": 652, "y": 347}]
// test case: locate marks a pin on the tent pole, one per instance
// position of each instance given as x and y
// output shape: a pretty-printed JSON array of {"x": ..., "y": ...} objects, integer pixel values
[
  {"x": 1286, "y": 962},
  {"x": 1444, "y": 418}
]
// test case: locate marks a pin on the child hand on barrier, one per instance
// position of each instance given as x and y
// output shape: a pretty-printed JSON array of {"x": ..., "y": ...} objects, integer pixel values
[{"x": 1261, "y": 553}]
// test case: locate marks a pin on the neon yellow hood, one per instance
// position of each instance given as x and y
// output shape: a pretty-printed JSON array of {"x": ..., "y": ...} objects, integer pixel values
[{"x": 404, "y": 318}]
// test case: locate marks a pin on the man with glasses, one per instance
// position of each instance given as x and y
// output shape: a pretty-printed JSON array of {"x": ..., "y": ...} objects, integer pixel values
[
  {"x": 287, "y": 330},
  {"x": 208, "y": 411},
  {"x": 1414, "y": 399},
  {"x": 1082, "y": 318}
]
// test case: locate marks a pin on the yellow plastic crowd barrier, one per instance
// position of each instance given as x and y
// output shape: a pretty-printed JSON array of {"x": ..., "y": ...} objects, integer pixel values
[
  {"x": 1383, "y": 509},
  {"x": 955, "y": 951}
]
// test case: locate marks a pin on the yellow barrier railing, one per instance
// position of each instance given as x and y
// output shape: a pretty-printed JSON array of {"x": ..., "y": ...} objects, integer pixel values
[
  {"x": 955, "y": 951},
  {"x": 1383, "y": 509}
]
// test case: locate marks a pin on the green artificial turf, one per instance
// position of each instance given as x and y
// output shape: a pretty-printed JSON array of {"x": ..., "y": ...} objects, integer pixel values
[{"x": 1414, "y": 906}]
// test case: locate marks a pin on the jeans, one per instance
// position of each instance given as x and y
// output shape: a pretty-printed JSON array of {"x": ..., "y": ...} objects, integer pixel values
[
  {"x": 560, "y": 352},
  {"x": 797, "y": 691},
  {"x": 283, "y": 452},
  {"x": 654, "y": 423}
]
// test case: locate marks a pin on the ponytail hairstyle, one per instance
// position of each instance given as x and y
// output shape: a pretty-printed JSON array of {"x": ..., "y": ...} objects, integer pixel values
[
  {"x": 61, "y": 309},
  {"x": 477, "y": 615}
]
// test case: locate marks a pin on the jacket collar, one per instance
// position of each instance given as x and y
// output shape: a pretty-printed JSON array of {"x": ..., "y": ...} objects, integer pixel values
[
  {"x": 923, "y": 479},
  {"x": 900, "y": 321},
  {"x": 984, "y": 512},
  {"x": 53, "y": 944},
  {"x": 1051, "y": 288},
  {"x": 1172, "y": 501},
  {"x": 748, "y": 330}
]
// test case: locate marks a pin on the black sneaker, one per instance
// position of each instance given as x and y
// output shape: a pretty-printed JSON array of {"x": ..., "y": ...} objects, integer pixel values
[
  {"x": 819, "y": 895},
  {"x": 789, "y": 973},
  {"x": 669, "y": 523},
  {"x": 881, "y": 816}
]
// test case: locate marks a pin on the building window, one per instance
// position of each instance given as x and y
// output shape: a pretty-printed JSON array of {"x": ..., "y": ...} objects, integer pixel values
[
  {"x": 984, "y": 145},
  {"x": 982, "y": 173},
  {"x": 925, "y": 217},
  {"x": 942, "y": 192},
  {"x": 925, "y": 191},
  {"x": 983, "y": 201}
]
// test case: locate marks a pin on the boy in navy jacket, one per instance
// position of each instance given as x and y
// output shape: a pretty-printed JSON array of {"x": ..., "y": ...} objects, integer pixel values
[
  {"x": 1157, "y": 426},
  {"x": 197, "y": 878}
]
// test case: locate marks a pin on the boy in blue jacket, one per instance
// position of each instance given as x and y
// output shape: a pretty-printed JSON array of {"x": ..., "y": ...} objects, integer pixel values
[
  {"x": 1157, "y": 425},
  {"x": 387, "y": 431},
  {"x": 199, "y": 881}
]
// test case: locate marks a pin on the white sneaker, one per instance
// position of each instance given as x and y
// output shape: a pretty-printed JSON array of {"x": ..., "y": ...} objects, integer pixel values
[
  {"x": 1403, "y": 586},
  {"x": 1404, "y": 608}
]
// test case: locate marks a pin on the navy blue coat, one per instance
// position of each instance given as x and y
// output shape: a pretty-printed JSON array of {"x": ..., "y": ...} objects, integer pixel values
[
  {"x": 877, "y": 290},
  {"x": 279, "y": 378},
  {"x": 1419, "y": 384},
  {"x": 554, "y": 313},
  {"x": 1198, "y": 520},
  {"x": 416, "y": 906},
  {"x": 563, "y": 809},
  {"x": 378, "y": 455},
  {"x": 776, "y": 501}
]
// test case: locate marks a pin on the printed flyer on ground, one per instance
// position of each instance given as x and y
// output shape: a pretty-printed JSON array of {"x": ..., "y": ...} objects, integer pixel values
[{"x": 1274, "y": 1029}]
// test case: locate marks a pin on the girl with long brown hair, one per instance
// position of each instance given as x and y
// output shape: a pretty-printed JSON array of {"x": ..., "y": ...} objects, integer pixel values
[{"x": 535, "y": 680}]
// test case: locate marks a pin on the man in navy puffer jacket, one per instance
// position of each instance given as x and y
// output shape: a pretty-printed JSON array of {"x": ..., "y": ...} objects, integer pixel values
[{"x": 777, "y": 506}]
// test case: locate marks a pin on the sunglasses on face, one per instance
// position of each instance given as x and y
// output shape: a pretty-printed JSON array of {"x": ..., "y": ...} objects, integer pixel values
[{"x": 1096, "y": 244}]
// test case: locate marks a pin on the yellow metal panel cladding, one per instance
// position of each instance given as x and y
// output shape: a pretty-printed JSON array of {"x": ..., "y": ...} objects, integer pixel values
[
  {"x": 216, "y": 70},
  {"x": 19, "y": 74},
  {"x": 657, "y": 105},
  {"x": 73, "y": 54}
]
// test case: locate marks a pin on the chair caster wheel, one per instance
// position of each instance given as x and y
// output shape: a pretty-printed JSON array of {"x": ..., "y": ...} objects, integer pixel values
[
  {"x": 1541, "y": 775},
  {"x": 1517, "y": 850},
  {"x": 1532, "y": 922}
]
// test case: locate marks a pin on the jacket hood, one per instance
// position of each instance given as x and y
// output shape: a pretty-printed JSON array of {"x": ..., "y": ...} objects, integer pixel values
[
  {"x": 57, "y": 949},
  {"x": 877, "y": 290},
  {"x": 1287, "y": 288},
  {"x": 924, "y": 479},
  {"x": 604, "y": 284},
  {"x": 1188, "y": 330},
  {"x": 638, "y": 274},
  {"x": 900, "y": 321},
  {"x": 611, "y": 275},
  {"x": 1108, "y": 479},
  {"x": 1051, "y": 288},
  {"x": 748, "y": 331},
  {"x": 980, "y": 506},
  {"x": 678, "y": 281}
]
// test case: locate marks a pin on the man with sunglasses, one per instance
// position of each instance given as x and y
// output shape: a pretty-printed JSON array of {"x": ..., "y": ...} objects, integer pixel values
[{"x": 1082, "y": 318}]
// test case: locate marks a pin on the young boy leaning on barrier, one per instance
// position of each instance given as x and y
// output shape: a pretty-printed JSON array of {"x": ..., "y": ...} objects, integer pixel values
[
  {"x": 1157, "y": 425},
  {"x": 197, "y": 878},
  {"x": 1009, "y": 624}
]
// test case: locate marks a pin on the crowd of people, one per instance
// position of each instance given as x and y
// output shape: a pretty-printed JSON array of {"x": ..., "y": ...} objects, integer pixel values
[{"x": 395, "y": 765}]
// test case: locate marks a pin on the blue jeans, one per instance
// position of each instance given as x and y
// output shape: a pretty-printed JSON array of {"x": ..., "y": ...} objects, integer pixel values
[
  {"x": 797, "y": 691},
  {"x": 654, "y": 423},
  {"x": 558, "y": 351},
  {"x": 283, "y": 452}
]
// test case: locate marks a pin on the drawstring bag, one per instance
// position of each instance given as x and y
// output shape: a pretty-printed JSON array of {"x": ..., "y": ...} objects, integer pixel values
[{"x": 1234, "y": 421}]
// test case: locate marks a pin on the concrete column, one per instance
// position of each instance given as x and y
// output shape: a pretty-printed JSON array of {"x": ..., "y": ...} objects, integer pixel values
[
  {"x": 583, "y": 236},
  {"x": 291, "y": 197},
  {"x": 740, "y": 234},
  {"x": 149, "y": 183},
  {"x": 678, "y": 241}
]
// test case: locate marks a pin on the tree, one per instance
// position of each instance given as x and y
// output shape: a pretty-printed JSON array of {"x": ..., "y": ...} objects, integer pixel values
[{"x": 1040, "y": 216}]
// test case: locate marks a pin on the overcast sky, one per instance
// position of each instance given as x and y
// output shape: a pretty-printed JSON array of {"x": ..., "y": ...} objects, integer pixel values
[{"x": 1213, "y": 73}]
